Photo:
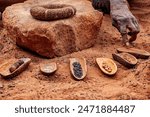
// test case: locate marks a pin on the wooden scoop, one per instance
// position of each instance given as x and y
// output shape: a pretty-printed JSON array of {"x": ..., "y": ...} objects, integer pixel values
[
  {"x": 135, "y": 52},
  {"x": 48, "y": 69},
  {"x": 107, "y": 66},
  {"x": 125, "y": 59},
  {"x": 14, "y": 67},
  {"x": 78, "y": 68}
]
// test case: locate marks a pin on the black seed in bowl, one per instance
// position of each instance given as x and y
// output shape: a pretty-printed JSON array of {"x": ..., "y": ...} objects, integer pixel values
[{"x": 77, "y": 69}]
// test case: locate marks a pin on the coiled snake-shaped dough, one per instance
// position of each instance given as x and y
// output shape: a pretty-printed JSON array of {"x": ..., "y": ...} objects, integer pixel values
[{"x": 52, "y": 11}]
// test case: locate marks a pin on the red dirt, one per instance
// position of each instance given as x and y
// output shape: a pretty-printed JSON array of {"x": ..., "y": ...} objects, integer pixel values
[{"x": 126, "y": 84}]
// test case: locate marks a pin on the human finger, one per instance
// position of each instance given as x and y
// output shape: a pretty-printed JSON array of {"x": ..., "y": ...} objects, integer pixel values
[
  {"x": 125, "y": 40},
  {"x": 122, "y": 29},
  {"x": 134, "y": 30}
]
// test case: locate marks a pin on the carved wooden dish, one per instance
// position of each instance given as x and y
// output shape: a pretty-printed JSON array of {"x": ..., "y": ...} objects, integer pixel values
[
  {"x": 78, "y": 68},
  {"x": 14, "y": 67},
  {"x": 135, "y": 52},
  {"x": 107, "y": 66},
  {"x": 48, "y": 69},
  {"x": 125, "y": 59}
]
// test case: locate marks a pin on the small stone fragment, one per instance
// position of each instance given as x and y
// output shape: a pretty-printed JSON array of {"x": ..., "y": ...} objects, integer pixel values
[{"x": 1, "y": 85}]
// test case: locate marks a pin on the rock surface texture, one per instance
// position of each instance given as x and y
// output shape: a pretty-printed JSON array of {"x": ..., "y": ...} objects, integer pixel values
[{"x": 53, "y": 38}]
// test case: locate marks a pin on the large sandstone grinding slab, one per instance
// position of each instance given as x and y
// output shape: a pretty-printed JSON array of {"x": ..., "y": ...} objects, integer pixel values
[{"x": 53, "y": 38}]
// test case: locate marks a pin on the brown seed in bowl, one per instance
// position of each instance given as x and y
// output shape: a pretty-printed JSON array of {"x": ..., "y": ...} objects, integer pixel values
[
  {"x": 16, "y": 65},
  {"x": 106, "y": 67},
  {"x": 125, "y": 59}
]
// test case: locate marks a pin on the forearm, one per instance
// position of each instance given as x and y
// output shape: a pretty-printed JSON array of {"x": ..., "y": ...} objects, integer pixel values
[
  {"x": 103, "y": 5},
  {"x": 118, "y": 4}
]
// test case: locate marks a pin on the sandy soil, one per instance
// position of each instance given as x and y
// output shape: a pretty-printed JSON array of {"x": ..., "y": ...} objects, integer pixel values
[{"x": 126, "y": 84}]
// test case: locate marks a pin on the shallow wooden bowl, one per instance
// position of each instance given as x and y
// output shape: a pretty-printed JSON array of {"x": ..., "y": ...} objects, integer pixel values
[
  {"x": 107, "y": 66},
  {"x": 5, "y": 67},
  {"x": 48, "y": 69},
  {"x": 78, "y": 68},
  {"x": 135, "y": 52},
  {"x": 125, "y": 59}
]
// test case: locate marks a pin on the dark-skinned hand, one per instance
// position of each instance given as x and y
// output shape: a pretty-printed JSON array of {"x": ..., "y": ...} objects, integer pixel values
[
  {"x": 126, "y": 23},
  {"x": 122, "y": 18}
]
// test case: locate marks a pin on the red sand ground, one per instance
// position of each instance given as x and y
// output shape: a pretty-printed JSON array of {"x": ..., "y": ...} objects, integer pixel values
[{"x": 126, "y": 84}]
